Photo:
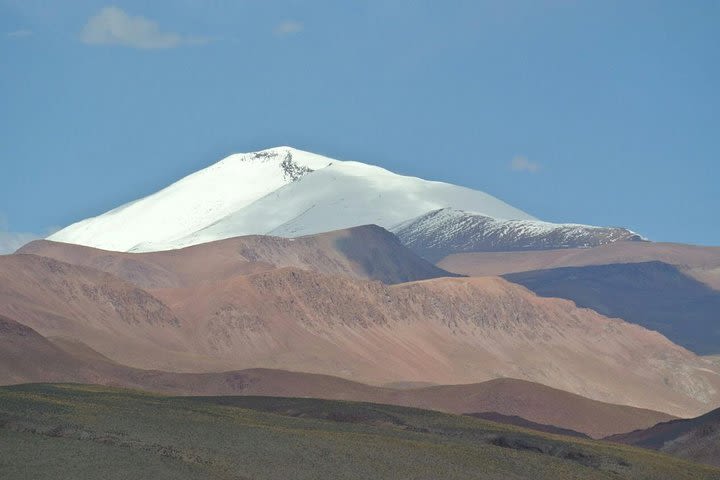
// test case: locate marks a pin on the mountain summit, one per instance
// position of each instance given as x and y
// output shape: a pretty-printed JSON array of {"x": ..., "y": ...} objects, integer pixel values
[
  {"x": 280, "y": 191},
  {"x": 290, "y": 193}
]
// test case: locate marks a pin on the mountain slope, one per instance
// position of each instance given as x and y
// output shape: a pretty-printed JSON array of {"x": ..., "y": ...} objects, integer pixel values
[
  {"x": 114, "y": 317},
  {"x": 280, "y": 191},
  {"x": 366, "y": 252},
  {"x": 443, "y": 232},
  {"x": 441, "y": 331},
  {"x": 695, "y": 439},
  {"x": 655, "y": 295},
  {"x": 28, "y": 357},
  {"x": 531, "y": 401}
]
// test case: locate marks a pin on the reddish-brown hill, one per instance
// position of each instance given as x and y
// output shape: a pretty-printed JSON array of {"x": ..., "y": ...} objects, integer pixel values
[
  {"x": 26, "y": 356},
  {"x": 114, "y": 317},
  {"x": 366, "y": 252},
  {"x": 445, "y": 331},
  {"x": 532, "y": 401}
]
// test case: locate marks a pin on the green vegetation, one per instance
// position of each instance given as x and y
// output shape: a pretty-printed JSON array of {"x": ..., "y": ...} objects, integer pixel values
[{"x": 79, "y": 432}]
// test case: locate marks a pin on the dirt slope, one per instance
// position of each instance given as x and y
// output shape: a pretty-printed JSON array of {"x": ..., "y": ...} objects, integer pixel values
[
  {"x": 114, "y": 317},
  {"x": 444, "y": 331},
  {"x": 366, "y": 252},
  {"x": 532, "y": 401},
  {"x": 27, "y": 357}
]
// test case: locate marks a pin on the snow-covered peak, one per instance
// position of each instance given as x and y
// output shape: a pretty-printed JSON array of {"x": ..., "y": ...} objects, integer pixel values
[
  {"x": 281, "y": 191},
  {"x": 342, "y": 195},
  {"x": 195, "y": 201}
]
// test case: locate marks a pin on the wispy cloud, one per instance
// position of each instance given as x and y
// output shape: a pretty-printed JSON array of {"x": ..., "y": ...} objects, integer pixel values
[
  {"x": 288, "y": 27},
  {"x": 19, "y": 33},
  {"x": 11, "y": 241},
  {"x": 112, "y": 26},
  {"x": 521, "y": 163}
]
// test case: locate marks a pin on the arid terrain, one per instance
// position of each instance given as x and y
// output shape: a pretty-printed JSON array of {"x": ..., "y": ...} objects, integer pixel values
[
  {"x": 702, "y": 263},
  {"x": 367, "y": 252},
  {"x": 251, "y": 310},
  {"x": 696, "y": 439},
  {"x": 27, "y": 357}
]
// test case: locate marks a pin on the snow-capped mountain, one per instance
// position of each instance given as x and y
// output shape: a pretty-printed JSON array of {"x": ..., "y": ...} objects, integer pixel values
[
  {"x": 290, "y": 193},
  {"x": 280, "y": 191},
  {"x": 439, "y": 233}
]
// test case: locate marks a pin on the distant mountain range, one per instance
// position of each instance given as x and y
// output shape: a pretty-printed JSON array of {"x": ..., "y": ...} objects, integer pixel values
[{"x": 290, "y": 193}]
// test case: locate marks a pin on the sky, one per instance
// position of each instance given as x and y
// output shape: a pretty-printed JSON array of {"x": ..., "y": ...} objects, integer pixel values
[{"x": 597, "y": 112}]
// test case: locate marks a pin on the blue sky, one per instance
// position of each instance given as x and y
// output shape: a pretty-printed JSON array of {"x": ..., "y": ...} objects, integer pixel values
[{"x": 602, "y": 112}]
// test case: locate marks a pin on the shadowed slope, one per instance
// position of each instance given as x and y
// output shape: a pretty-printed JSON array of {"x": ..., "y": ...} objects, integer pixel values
[
  {"x": 366, "y": 252},
  {"x": 653, "y": 294},
  {"x": 521, "y": 422},
  {"x": 696, "y": 439},
  {"x": 26, "y": 356},
  {"x": 702, "y": 263}
]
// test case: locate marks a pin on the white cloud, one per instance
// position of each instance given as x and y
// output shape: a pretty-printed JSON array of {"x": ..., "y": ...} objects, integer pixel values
[
  {"x": 288, "y": 27},
  {"x": 521, "y": 163},
  {"x": 19, "y": 33},
  {"x": 112, "y": 26},
  {"x": 11, "y": 241}
]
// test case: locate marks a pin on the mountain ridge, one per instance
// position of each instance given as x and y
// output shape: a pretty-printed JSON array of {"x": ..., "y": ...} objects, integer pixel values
[{"x": 437, "y": 234}]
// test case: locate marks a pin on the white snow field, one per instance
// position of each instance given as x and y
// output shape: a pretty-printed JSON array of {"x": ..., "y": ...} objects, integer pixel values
[{"x": 280, "y": 191}]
